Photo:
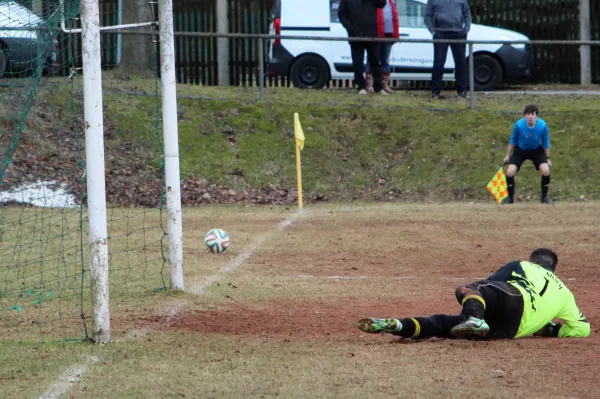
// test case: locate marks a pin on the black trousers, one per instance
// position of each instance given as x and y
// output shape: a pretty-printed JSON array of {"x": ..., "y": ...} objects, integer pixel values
[
  {"x": 498, "y": 303},
  {"x": 440, "y": 52},
  {"x": 358, "y": 64}
]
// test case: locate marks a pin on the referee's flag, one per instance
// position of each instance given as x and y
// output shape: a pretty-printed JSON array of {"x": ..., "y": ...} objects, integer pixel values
[{"x": 497, "y": 186}]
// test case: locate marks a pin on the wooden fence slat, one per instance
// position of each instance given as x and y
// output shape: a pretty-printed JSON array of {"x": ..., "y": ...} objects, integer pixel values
[{"x": 213, "y": 43}]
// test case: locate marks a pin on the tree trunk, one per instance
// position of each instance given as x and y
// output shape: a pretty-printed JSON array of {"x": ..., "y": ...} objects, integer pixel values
[{"x": 139, "y": 51}]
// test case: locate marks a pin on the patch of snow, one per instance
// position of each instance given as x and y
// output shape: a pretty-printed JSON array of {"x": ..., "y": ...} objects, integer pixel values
[{"x": 46, "y": 194}]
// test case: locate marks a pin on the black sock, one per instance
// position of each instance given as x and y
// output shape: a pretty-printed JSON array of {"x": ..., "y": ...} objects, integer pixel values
[
  {"x": 510, "y": 183},
  {"x": 427, "y": 327},
  {"x": 409, "y": 327},
  {"x": 474, "y": 306},
  {"x": 545, "y": 185}
]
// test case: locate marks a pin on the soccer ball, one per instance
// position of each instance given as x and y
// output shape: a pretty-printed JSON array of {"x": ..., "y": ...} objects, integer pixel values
[{"x": 216, "y": 241}]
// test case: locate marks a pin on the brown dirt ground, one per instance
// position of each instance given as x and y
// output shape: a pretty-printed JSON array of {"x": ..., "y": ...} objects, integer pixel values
[
  {"x": 334, "y": 317},
  {"x": 297, "y": 319},
  {"x": 569, "y": 366},
  {"x": 331, "y": 316},
  {"x": 573, "y": 362}
]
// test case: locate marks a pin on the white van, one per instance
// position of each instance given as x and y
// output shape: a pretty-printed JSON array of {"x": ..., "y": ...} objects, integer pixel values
[{"x": 312, "y": 63}]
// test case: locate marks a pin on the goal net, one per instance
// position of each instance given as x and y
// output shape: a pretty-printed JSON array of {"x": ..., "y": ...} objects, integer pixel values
[{"x": 44, "y": 250}]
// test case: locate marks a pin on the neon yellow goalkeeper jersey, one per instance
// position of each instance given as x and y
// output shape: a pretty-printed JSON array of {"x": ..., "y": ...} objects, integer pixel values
[{"x": 545, "y": 297}]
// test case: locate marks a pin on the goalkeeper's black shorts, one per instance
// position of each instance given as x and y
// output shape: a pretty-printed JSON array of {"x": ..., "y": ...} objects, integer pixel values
[{"x": 503, "y": 307}]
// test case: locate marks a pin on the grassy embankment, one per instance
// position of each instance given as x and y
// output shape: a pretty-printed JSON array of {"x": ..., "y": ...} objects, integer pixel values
[{"x": 402, "y": 147}]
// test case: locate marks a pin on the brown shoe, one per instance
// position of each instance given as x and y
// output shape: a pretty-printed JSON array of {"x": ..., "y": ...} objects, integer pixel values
[
  {"x": 386, "y": 83},
  {"x": 369, "y": 79}
]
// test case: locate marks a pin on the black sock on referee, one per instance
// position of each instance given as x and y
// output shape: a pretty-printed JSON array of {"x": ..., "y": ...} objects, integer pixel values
[
  {"x": 510, "y": 183},
  {"x": 545, "y": 185}
]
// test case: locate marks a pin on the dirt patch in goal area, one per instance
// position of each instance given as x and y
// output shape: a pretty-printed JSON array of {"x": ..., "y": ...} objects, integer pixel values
[
  {"x": 332, "y": 317},
  {"x": 563, "y": 367},
  {"x": 336, "y": 316},
  {"x": 386, "y": 283},
  {"x": 297, "y": 319}
]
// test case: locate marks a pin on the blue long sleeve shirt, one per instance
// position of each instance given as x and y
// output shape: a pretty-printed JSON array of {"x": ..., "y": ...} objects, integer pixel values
[{"x": 530, "y": 138}]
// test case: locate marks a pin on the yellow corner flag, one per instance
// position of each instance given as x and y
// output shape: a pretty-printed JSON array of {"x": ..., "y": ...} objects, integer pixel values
[
  {"x": 299, "y": 146},
  {"x": 497, "y": 186},
  {"x": 298, "y": 132}
]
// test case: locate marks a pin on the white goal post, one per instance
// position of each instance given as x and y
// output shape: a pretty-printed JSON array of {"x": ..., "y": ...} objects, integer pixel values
[{"x": 94, "y": 137}]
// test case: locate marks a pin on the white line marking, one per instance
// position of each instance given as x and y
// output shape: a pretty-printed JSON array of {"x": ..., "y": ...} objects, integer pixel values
[
  {"x": 70, "y": 376},
  {"x": 73, "y": 373},
  {"x": 239, "y": 260}
]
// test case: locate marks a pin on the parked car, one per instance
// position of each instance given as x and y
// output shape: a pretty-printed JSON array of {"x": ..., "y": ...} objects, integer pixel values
[
  {"x": 312, "y": 63},
  {"x": 25, "y": 42}
]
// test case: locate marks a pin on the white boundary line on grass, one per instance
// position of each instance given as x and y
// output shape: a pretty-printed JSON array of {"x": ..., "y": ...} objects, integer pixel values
[
  {"x": 68, "y": 377},
  {"x": 73, "y": 373},
  {"x": 239, "y": 260}
]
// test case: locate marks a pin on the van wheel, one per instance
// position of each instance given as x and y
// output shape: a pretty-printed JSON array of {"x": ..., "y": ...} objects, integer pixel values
[
  {"x": 309, "y": 72},
  {"x": 487, "y": 72}
]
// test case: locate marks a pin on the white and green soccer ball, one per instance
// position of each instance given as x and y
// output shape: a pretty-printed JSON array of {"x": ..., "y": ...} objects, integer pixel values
[{"x": 217, "y": 241}]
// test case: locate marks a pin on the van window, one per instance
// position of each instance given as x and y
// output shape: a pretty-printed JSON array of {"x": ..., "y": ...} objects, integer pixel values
[
  {"x": 305, "y": 18},
  {"x": 411, "y": 13},
  {"x": 334, "y": 5}
]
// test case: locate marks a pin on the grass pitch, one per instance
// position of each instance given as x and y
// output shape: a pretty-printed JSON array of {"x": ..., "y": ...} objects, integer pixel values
[{"x": 274, "y": 315}]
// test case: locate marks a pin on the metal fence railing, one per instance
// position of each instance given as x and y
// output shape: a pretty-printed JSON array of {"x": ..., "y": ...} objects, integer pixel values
[
  {"x": 540, "y": 19},
  {"x": 260, "y": 42},
  {"x": 263, "y": 40}
]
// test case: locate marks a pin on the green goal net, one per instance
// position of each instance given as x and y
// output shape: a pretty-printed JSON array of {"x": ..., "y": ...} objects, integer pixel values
[{"x": 44, "y": 265}]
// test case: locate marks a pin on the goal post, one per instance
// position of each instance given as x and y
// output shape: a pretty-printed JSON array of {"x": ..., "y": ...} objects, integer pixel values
[
  {"x": 171, "y": 140},
  {"x": 90, "y": 198},
  {"x": 94, "y": 152},
  {"x": 95, "y": 157}
]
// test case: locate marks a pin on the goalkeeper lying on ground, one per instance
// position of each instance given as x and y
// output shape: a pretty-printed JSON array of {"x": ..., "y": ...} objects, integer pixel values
[{"x": 519, "y": 300}]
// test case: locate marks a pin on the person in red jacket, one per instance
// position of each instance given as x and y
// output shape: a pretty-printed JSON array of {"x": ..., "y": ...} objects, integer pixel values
[
  {"x": 359, "y": 18},
  {"x": 388, "y": 25}
]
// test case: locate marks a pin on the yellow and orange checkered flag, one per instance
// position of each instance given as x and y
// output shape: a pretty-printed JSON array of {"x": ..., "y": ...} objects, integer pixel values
[{"x": 497, "y": 186}]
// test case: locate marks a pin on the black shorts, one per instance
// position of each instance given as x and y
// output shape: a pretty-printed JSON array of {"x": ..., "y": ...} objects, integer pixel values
[
  {"x": 503, "y": 307},
  {"x": 537, "y": 156}
]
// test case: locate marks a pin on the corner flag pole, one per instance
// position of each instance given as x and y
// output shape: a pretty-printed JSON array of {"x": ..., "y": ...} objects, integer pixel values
[
  {"x": 299, "y": 176},
  {"x": 299, "y": 134}
]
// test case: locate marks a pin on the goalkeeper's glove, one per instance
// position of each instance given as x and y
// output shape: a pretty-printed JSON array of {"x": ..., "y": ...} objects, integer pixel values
[{"x": 549, "y": 330}]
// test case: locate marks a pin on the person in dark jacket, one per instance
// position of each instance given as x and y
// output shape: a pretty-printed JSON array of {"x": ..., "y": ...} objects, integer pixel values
[
  {"x": 359, "y": 18},
  {"x": 448, "y": 19}
]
